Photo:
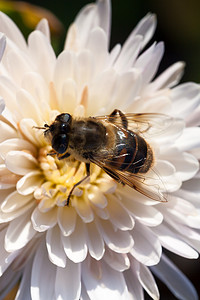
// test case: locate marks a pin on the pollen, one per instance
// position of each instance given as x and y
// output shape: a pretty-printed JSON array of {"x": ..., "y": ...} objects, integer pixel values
[{"x": 59, "y": 178}]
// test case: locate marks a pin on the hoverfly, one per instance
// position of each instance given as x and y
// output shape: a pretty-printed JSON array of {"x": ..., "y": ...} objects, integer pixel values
[{"x": 116, "y": 143}]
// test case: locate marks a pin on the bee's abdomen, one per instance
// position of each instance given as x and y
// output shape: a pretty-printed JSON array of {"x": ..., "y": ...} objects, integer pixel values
[{"x": 133, "y": 154}]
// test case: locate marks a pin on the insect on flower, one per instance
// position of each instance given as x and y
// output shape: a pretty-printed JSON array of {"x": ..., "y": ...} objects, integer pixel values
[{"x": 116, "y": 143}]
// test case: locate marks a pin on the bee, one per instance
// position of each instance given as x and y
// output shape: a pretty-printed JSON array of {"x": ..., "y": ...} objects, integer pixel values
[{"x": 116, "y": 143}]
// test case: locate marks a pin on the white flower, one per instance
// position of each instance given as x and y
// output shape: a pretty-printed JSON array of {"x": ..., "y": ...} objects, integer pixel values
[{"x": 102, "y": 245}]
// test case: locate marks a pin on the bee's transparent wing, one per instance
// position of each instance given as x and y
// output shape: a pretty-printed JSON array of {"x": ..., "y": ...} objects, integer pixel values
[
  {"x": 146, "y": 124},
  {"x": 150, "y": 187}
]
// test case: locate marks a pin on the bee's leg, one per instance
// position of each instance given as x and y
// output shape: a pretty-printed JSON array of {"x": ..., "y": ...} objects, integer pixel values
[
  {"x": 83, "y": 179},
  {"x": 52, "y": 153},
  {"x": 59, "y": 156},
  {"x": 123, "y": 117},
  {"x": 64, "y": 156}
]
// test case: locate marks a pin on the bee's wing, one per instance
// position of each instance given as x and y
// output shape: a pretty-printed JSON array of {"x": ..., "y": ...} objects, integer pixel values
[
  {"x": 147, "y": 124},
  {"x": 139, "y": 183}
]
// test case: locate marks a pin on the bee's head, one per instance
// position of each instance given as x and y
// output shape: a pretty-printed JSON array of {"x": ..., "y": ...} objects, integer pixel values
[{"x": 58, "y": 132}]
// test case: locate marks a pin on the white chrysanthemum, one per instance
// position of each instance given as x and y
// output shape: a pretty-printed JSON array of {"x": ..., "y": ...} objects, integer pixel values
[{"x": 103, "y": 244}]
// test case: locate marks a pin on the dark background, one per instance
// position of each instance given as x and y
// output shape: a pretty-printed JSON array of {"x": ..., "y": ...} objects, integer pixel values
[{"x": 178, "y": 26}]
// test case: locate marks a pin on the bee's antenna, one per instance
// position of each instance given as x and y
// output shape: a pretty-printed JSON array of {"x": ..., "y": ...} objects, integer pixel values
[{"x": 42, "y": 127}]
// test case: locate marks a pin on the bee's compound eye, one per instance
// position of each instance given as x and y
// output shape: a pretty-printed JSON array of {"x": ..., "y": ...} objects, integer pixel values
[
  {"x": 60, "y": 143},
  {"x": 64, "y": 127},
  {"x": 66, "y": 118}
]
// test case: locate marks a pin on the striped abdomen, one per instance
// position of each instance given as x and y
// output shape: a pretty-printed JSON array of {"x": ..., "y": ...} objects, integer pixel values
[{"x": 132, "y": 153}]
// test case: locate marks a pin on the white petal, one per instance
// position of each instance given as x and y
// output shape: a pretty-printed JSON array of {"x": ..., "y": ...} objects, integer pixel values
[
  {"x": 97, "y": 44},
  {"x": 83, "y": 209},
  {"x": 147, "y": 248},
  {"x": 26, "y": 254},
  {"x": 9, "y": 216},
  {"x": 148, "y": 282},
  {"x": 104, "y": 13},
  {"x": 2, "y": 105},
  {"x": 176, "y": 281},
  {"x": 89, "y": 17},
  {"x": 181, "y": 212},
  {"x": 64, "y": 70},
  {"x": 106, "y": 82},
  {"x": 7, "y": 131},
  {"x": 68, "y": 282},
  {"x": 28, "y": 106},
  {"x": 96, "y": 195},
  {"x": 28, "y": 183},
  {"x": 192, "y": 136},
  {"x": 118, "y": 214},
  {"x": 173, "y": 242},
  {"x": 5, "y": 258},
  {"x": 54, "y": 246},
  {"x": 86, "y": 19},
  {"x": 36, "y": 86},
  {"x": 129, "y": 52},
  {"x": 116, "y": 261},
  {"x": 43, "y": 26},
  {"x": 8, "y": 89},
  {"x": 193, "y": 119},
  {"x": 75, "y": 245},
  {"x": 186, "y": 165},
  {"x": 82, "y": 75},
  {"x": 16, "y": 144},
  {"x": 146, "y": 28},
  {"x": 194, "y": 220},
  {"x": 8, "y": 281},
  {"x": 127, "y": 87},
  {"x": 110, "y": 284},
  {"x": 7, "y": 178},
  {"x": 113, "y": 54},
  {"x": 4, "y": 193},
  {"x": 69, "y": 92},
  {"x": 94, "y": 241},
  {"x": 20, "y": 232},
  {"x": 133, "y": 284},
  {"x": 43, "y": 221},
  {"x": 189, "y": 235},
  {"x": 169, "y": 78},
  {"x": 2, "y": 45},
  {"x": 17, "y": 64},
  {"x": 133, "y": 196},
  {"x": 117, "y": 240},
  {"x": 25, "y": 283},
  {"x": 160, "y": 100},
  {"x": 9, "y": 117},
  {"x": 20, "y": 162},
  {"x": 8, "y": 27},
  {"x": 31, "y": 133},
  {"x": 42, "y": 54},
  {"x": 101, "y": 213},
  {"x": 185, "y": 98},
  {"x": 14, "y": 201},
  {"x": 148, "y": 215},
  {"x": 41, "y": 287},
  {"x": 170, "y": 132},
  {"x": 84, "y": 294},
  {"x": 149, "y": 61},
  {"x": 66, "y": 219}
]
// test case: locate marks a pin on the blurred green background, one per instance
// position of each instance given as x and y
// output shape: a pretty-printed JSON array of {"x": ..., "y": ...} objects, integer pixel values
[{"x": 178, "y": 26}]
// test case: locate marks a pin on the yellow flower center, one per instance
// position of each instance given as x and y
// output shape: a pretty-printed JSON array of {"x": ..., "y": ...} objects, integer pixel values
[{"x": 59, "y": 178}]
